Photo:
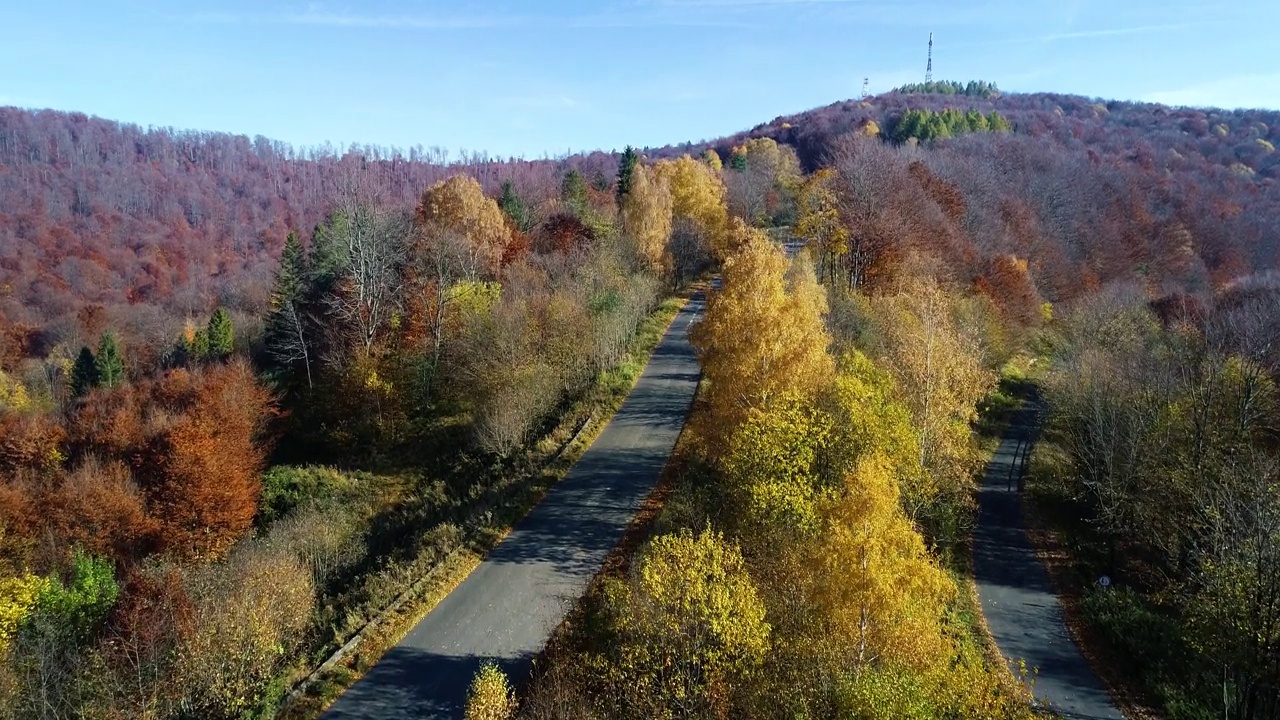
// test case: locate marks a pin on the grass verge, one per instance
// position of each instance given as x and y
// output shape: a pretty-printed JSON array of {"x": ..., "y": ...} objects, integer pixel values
[{"x": 995, "y": 415}]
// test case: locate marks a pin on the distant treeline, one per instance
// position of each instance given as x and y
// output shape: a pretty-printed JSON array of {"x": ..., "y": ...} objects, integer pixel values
[{"x": 973, "y": 88}]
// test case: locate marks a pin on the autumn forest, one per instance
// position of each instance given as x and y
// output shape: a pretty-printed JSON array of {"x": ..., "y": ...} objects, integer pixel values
[{"x": 251, "y": 394}]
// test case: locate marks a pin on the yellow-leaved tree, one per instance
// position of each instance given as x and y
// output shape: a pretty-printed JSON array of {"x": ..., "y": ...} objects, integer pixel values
[
  {"x": 883, "y": 596},
  {"x": 647, "y": 217},
  {"x": 938, "y": 371},
  {"x": 763, "y": 176},
  {"x": 772, "y": 468},
  {"x": 869, "y": 418},
  {"x": 762, "y": 336},
  {"x": 712, "y": 159},
  {"x": 698, "y": 195},
  {"x": 18, "y": 596},
  {"x": 818, "y": 223},
  {"x": 13, "y": 395},
  {"x": 686, "y": 628},
  {"x": 459, "y": 207}
]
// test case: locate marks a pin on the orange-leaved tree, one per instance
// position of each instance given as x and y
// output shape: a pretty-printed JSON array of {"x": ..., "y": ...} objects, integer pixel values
[
  {"x": 459, "y": 206},
  {"x": 202, "y": 465}
]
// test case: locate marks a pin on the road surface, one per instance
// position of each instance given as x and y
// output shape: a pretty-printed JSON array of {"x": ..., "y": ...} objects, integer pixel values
[
  {"x": 1022, "y": 611},
  {"x": 507, "y": 608}
]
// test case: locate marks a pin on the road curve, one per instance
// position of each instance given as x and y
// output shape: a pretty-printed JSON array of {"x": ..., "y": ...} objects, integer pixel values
[
  {"x": 507, "y": 608},
  {"x": 1021, "y": 608}
]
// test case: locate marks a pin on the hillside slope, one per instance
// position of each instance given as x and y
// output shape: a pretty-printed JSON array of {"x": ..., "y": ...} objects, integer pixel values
[
  {"x": 1111, "y": 190},
  {"x": 159, "y": 225}
]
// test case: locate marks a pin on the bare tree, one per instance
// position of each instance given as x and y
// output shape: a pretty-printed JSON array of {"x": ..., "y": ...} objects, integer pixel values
[
  {"x": 289, "y": 342},
  {"x": 370, "y": 242},
  {"x": 870, "y": 175},
  {"x": 440, "y": 258}
]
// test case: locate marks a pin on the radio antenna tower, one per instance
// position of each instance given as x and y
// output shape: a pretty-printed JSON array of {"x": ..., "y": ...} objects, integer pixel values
[
  {"x": 928, "y": 73},
  {"x": 866, "y": 88}
]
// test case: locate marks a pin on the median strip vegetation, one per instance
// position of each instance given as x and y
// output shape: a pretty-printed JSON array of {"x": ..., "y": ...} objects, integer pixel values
[{"x": 797, "y": 566}]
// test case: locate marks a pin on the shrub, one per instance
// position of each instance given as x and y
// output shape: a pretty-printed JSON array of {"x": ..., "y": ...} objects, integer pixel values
[
  {"x": 18, "y": 597},
  {"x": 247, "y": 613},
  {"x": 490, "y": 697},
  {"x": 76, "y": 609},
  {"x": 286, "y": 487}
]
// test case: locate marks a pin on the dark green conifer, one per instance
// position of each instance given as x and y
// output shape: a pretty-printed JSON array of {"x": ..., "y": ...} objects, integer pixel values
[
  {"x": 221, "y": 335},
  {"x": 109, "y": 362},
  {"x": 84, "y": 373}
]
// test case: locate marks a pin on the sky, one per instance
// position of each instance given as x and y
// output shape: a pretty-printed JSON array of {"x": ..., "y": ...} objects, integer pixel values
[{"x": 537, "y": 78}]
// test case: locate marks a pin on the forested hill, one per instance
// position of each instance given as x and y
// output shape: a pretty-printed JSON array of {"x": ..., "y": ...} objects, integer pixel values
[
  {"x": 1089, "y": 192},
  {"x": 165, "y": 222},
  {"x": 156, "y": 225},
  {"x": 1155, "y": 136}
]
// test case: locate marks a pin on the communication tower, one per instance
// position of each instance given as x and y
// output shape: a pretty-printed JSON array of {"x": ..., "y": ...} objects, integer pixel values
[
  {"x": 928, "y": 73},
  {"x": 866, "y": 88}
]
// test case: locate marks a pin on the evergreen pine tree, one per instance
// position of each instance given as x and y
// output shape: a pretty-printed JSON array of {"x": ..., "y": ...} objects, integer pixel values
[
  {"x": 200, "y": 344},
  {"x": 109, "y": 363},
  {"x": 626, "y": 169},
  {"x": 291, "y": 280},
  {"x": 935, "y": 127},
  {"x": 84, "y": 374},
  {"x": 286, "y": 340},
  {"x": 573, "y": 191},
  {"x": 513, "y": 206},
  {"x": 221, "y": 335},
  {"x": 911, "y": 125},
  {"x": 328, "y": 257}
]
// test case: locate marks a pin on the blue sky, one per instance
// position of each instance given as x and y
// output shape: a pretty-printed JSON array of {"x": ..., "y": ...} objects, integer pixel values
[{"x": 533, "y": 78}]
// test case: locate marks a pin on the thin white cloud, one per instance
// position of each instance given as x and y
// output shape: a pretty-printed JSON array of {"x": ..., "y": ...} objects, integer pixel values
[
  {"x": 1112, "y": 32},
  {"x": 540, "y": 102},
  {"x": 408, "y": 22},
  {"x": 741, "y": 3},
  {"x": 604, "y": 22},
  {"x": 318, "y": 17},
  {"x": 1089, "y": 34}
]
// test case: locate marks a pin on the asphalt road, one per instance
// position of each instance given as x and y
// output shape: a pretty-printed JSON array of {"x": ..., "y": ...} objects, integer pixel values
[
  {"x": 1021, "y": 608},
  {"x": 507, "y": 608}
]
